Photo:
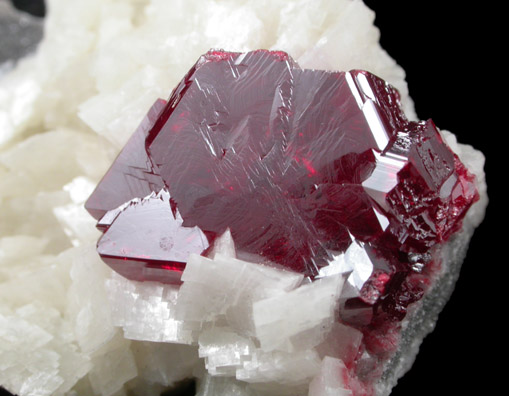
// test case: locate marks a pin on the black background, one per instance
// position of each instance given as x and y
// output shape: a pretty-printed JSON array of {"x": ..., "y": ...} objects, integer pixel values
[
  {"x": 34, "y": 7},
  {"x": 452, "y": 53}
]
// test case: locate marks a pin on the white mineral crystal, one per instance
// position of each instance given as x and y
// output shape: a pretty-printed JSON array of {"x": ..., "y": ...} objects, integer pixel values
[
  {"x": 146, "y": 311},
  {"x": 280, "y": 323},
  {"x": 224, "y": 351},
  {"x": 68, "y": 325},
  {"x": 228, "y": 287},
  {"x": 329, "y": 381}
]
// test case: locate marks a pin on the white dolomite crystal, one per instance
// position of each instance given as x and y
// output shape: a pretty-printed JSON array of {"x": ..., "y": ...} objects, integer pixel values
[
  {"x": 228, "y": 287},
  {"x": 224, "y": 351},
  {"x": 341, "y": 342},
  {"x": 146, "y": 311},
  {"x": 68, "y": 325},
  {"x": 227, "y": 386},
  {"x": 165, "y": 363},
  {"x": 330, "y": 382},
  {"x": 298, "y": 319}
]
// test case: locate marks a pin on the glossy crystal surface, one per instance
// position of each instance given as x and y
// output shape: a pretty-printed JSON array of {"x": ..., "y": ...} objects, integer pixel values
[
  {"x": 150, "y": 232},
  {"x": 298, "y": 164}
]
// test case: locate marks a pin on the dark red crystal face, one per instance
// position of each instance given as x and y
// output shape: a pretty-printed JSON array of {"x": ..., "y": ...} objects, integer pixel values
[{"x": 296, "y": 163}]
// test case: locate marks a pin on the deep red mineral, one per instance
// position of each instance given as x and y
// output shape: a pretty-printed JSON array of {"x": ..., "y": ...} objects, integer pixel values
[{"x": 296, "y": 163}]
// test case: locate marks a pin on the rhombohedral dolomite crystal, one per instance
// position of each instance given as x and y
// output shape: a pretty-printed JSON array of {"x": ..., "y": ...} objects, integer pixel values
[{"x": 312, "y": 172}]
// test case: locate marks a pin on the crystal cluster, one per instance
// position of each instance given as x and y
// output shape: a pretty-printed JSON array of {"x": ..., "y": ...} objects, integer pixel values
[
  {"x": 296, "y": 163},
  {"x": 317, "y": 173},
  {"x": 69, "y": 325}
]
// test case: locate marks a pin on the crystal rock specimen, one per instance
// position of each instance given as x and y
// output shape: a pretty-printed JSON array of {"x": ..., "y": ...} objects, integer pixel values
[
  {"x": 309, "y": 172},
  {"x": 71, "y": 326},
  {"x": 297, "y": 163}
]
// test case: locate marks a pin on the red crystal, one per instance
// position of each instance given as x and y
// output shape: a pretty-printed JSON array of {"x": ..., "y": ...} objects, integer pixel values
[
  {"x": 297, "y": 164},
  {"x": 146, "y": 241},
  {"x": 131, "y": 175}
]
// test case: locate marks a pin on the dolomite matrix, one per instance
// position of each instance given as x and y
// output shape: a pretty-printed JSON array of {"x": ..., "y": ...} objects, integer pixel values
[
  {"x": 304, "y": 172},
  {"x": 226, "y": 312}
]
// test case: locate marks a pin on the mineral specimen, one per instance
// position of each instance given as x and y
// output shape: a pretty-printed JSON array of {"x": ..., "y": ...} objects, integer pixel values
[
  {"x": 314, "y": 172},
  {"x": 296, "y": 163},
  {"x": 69, "y": 325}
]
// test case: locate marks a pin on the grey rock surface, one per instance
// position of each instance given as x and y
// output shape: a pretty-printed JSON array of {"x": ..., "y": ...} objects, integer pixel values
[{"x": 19, "y": 34}]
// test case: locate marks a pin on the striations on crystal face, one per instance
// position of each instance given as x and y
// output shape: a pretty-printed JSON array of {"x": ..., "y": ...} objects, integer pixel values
[
  {"x": 296, "y": 163},
  {"x": 131, "y": 175},
  {"x": 149, "y": 232}
]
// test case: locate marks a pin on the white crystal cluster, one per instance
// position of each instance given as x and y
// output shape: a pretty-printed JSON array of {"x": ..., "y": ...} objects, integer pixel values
[
  {"x": 68, "y": 325},
  {"x": 250, "y": 322}
]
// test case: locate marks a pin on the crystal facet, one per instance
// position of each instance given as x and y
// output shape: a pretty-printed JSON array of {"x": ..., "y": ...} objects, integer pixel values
[{"x": 150, "y": 225}]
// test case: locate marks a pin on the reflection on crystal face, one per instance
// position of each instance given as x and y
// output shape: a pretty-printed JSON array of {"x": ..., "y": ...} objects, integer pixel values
[
  {"x": 149, "y": 232},
  {"x": 355, "y": 264},
  {"x": 384, "y": 177}
]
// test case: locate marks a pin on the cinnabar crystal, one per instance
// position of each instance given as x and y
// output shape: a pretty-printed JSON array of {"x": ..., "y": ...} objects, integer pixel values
[{"x": 296, "y": 163}]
